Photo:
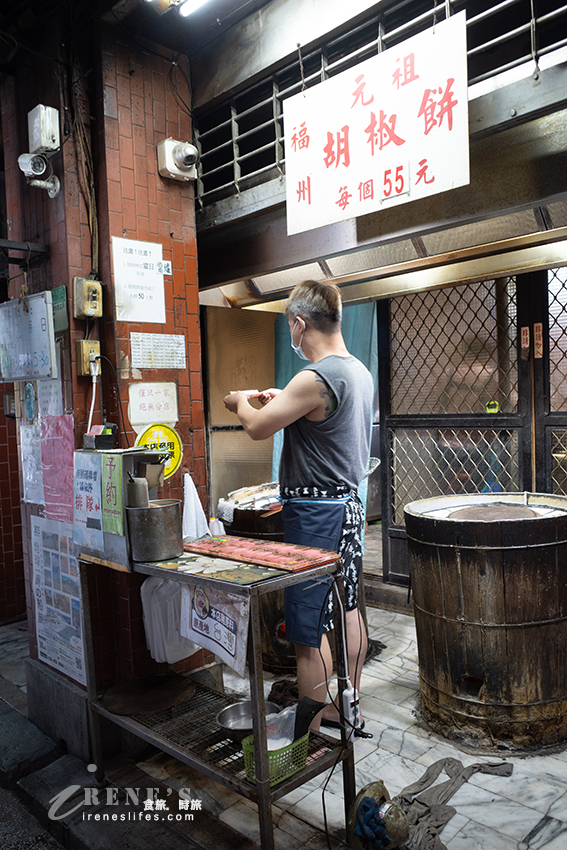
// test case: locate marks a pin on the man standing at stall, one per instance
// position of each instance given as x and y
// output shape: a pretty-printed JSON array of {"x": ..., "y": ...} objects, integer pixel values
[{"x": 326, "y": 414}]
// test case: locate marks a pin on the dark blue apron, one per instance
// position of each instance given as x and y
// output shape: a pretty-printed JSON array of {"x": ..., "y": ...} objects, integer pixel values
[{"x": 318, "y": 523}]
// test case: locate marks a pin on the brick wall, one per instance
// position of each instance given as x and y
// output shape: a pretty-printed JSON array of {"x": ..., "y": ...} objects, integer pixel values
[
  {"x": 131, "y": 98},
  {"x": 12, "y": 592}
]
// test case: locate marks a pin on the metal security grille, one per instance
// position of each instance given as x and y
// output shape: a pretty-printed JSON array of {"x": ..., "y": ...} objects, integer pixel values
[
  {"x": 440, "y": 462},
  {"x": 559, "y": 463},
  {"x": 241, "y": 140},
  {"x": 557, "y": 305},
  {"x": 453, "y": 351}
]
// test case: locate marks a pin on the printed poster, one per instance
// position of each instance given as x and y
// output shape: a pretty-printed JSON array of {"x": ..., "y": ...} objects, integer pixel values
[
  {"x": 57, "y": 594},
  {"x": 57, "y": 450},
  {"x": 87, "y": 502},
  {"x": 217, "y": 621}
]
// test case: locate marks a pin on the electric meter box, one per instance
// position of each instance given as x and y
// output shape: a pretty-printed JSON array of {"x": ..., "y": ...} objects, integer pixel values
[{"x": 43, "y": 129}]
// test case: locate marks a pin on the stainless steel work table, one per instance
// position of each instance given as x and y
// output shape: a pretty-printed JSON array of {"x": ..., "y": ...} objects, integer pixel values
[{"x": 189, "y": 731}]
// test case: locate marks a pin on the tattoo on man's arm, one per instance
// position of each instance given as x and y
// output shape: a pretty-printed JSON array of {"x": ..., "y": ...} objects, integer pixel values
[{"x": 329, "y": 396}]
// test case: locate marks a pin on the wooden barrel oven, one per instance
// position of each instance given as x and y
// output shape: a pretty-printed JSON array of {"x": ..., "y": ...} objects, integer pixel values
[{"x": 488, "y": 574}]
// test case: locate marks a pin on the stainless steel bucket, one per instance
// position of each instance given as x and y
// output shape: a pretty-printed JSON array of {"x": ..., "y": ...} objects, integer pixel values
[{"x": 156, "y": 531}]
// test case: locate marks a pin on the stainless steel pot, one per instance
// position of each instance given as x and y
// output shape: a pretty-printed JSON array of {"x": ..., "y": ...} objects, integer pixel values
[{"x": 156, "y": 531}]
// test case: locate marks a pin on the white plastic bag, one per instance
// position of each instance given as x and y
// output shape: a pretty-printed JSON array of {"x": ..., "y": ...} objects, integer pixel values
[
  {"x": 161, "y": 606},
  {"x": 280, "y": 728}
]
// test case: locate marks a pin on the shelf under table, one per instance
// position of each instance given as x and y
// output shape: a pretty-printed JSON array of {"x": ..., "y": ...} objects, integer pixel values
[{"x": 189, "y": 732}]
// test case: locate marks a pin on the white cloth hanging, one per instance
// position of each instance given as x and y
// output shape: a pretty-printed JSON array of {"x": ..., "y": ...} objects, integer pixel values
[{"x": 195, "y": 523}]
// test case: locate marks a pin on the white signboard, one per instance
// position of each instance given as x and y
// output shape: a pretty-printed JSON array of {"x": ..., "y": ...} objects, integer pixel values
[
  {"x": 27, "y": 339},
  {"x": 390, "y": 130},
  {"x": 57, "y": 594},
  {"x": 139, "y": 292},
  {"x": 151, "y": 402}
]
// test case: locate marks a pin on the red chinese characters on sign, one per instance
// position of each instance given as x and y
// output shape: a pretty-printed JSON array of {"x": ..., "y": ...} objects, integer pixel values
[
  {"x": 381, "y": 133},
  {"x": 334, "y": 154},
  {"x": 344, "y": 196},
  {"x": 366, "y": 190},
  {"x": 422, "y": 172},
  {"x": 301, "y": 139},
  {"x": 444, "y": 105},
  {"x": 304, "y": 190},
  {"x": 358, "y": 93},
  {"x": 406, "y": 74}
]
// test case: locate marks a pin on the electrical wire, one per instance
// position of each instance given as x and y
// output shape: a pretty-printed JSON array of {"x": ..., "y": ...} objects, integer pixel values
[
  {"x": 337, "y": 706},
  {"x": 123, "y": 428},
  {"x": 174, "y": 65},
  {"x": 94, "y": 377}
]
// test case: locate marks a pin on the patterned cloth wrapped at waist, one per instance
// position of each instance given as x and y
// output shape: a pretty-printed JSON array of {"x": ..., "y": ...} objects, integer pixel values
[{"x": 337, "y": 492}]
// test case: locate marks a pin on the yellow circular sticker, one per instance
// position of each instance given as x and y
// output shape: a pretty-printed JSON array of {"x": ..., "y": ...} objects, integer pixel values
[{"x": 163, "y": 438}]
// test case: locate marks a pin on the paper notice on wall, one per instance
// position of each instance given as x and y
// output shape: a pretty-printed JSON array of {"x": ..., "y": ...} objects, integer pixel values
[
  {"x": 139, "y": 290},
  {"x": 87, "y": 502},
  {"x": 150, "y": 402},
  {"x": 57, "y": 595},
  {"x": 217, "y": 621},
  {"x": 57, "y": 449},
  {"x": 50, "y": 390},
  {"x": 31, "y": 466},
  {"x": 158, "y": 351}
]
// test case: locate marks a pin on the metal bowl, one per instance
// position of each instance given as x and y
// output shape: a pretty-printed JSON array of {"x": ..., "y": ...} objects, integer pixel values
[{"x": 236, "y": 720}]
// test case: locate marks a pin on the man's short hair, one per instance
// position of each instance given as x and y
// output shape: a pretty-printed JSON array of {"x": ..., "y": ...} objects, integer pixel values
[{"x": 317, "y": 301}]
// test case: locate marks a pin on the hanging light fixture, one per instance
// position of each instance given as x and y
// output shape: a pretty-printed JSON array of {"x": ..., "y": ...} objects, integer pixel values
[
  {"x": 190, "y": 6},
  {"x": 162, "y": 6}
]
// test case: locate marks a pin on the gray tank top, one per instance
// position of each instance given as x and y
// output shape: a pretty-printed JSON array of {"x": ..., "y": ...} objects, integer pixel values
[{"x": 332, "y": 453}]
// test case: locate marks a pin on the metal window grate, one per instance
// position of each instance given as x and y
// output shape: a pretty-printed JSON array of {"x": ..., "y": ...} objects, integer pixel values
[
  {"x": 241, "y": 140},
  {"x": 559, "y": 463},
  {"x": 453, "y": 351},
  {"x": 557, "y": 305},
  {"x": 443, "y": 461}
]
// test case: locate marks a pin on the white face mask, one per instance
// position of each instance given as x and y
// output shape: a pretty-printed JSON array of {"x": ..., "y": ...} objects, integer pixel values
[{"x": 297, "y": 348}]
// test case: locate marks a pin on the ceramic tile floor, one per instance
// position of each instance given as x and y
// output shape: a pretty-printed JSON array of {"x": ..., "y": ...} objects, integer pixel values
[{"x": 526, "y": 811}]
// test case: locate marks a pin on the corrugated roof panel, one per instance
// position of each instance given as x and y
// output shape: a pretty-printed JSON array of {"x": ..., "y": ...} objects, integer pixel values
[
  {"x": 288, "y": 278},
  {"x": 480, "y": 233},
  {"x": 372, "y": 258}
]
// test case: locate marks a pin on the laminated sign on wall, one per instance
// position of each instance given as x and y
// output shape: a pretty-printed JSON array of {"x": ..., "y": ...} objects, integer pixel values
[{"x": 390, "y": 130}]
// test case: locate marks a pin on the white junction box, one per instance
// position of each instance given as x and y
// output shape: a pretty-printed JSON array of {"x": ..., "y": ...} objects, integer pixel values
[{"x": 43, "y": 129}]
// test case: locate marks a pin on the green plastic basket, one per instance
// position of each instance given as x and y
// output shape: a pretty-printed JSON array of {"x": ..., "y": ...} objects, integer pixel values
[{"x": 282, "y": 763}]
